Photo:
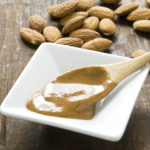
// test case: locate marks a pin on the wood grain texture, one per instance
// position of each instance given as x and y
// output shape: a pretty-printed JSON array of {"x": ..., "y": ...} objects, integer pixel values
[{"x": 16, "y": 134}]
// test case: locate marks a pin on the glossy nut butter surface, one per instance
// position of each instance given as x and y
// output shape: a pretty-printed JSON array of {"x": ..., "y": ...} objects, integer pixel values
[{"x": 73, "y": 94}]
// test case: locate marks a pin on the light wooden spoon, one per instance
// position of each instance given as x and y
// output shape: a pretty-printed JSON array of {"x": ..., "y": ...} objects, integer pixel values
[
  {"x": 116, "y": 72},
  {"x": 120, "y": 71},
  {"x": 76, "y": 92},
  {"x": 95, "y": 75}
]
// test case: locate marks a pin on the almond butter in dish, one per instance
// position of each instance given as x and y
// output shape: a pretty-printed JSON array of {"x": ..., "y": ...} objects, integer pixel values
[{"x": 74, "y": 94}]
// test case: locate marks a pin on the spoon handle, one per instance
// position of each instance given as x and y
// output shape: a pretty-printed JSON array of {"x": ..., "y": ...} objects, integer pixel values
[{"x": 121, "y": 70}]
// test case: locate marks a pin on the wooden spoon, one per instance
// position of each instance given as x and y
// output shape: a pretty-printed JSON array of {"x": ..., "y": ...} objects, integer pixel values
[
  {"x": 78, "y": 91},
  {"x": 95, "y": 75},
  {"x": 120, "y": 71}
]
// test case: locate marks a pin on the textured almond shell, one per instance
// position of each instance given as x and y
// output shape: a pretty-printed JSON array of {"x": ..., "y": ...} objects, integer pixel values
[
  {"x": 64, "y": 20},
  {"x": 126, "y": 9},
  {"x": 73, "y": 24},
  {"x": 37, "y": 23},
  {"x": 70, "y": 41},
  {"x": 61, "y": 10},
  {"x": 85, "y": 4},
  {"x": 91, "y": 23},
  {"x": 107, "y": 26},
  {"x": 110, "y": 1},
  {"x": 139, "y": 14},
  {"x": 98, "y": 44},
  {"x": 51, "y": 33},
  {"x": 137, "y": 53},
  {"x": 101, "y": 12},
  {"x": 142, "y": 25},
  {"x": 32, "y": 36},
  {"x": 84, "y": 34}
]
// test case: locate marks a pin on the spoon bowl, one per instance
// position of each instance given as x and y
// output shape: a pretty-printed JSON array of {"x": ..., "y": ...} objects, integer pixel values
[{"x": 74, "y": 94}]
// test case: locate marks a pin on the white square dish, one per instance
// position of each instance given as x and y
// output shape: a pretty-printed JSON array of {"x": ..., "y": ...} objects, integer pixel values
[{"x": 50, "y": 60}]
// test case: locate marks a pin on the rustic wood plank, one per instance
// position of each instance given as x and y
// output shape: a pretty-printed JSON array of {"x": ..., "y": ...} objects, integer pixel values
[{"x": 17, "y": 134}]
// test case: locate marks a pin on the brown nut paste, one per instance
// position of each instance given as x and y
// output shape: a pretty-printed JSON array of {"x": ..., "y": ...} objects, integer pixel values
[{"x": 73, "y": 94}]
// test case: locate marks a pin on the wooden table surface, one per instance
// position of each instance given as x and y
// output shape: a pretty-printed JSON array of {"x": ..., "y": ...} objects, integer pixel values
[{"x": 17, "y": 134}]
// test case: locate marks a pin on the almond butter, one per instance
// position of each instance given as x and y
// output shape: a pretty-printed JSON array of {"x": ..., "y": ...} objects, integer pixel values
[
  {"x": 32, "y": 36},
  {"x": 107, "y": 27},
  {"x": 84, "y": 34},
  {"x": 37, "y": 23},
  {"x": 73, "y": 24},
  {"x": 126, "y": 8},
  {"x": 85, "y": 4},
  {"x": 51, "y": 33},
  {"x": 66, "y": 19},
  {"x": 148, "y": 2},
  {"x": 137, "y": 53},
  {"x": 70, "y": 41},
  {"x": 101, "y": 12},
  {"x": 139, "y": 14},
  {"x": 98, "y": 44},
  {"x": 110, "y": 1},
  {"x": 61, "y": 10},
  {"x": 142, "y": 25},
  {"x": 91, "y": 23}
]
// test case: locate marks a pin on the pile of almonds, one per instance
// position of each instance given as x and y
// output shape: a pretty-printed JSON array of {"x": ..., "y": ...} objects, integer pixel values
[{"x": 82, "y": 23}]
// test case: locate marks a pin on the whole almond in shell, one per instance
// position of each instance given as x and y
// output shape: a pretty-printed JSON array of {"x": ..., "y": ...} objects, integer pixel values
[
  {"x": 73, "y": 24},
  {"x": 85, "y": 4},
  {"x": 70, "y": 41},
  {"x": 126, "y": 8},
  {"x": 91, "y": 23},
  {"x": 139, "y": 14},
  {"x": 37, "y": 23},
  {"x": 51, "y": 33},
  {"x": 32, "y": 36},
  {"x": 98, "y": 44},
  {"x": 61, "y": 10},
  {"x": 84, "y": 34},
  {"x": 101, "y": 12},
  {"x": 148, "y": 2},
  {"x": 110, "y": 1},
  {"x": 107, "y": 27},
  {"x": 142, "y": 25},
  {"x": 66, "y": 19}
]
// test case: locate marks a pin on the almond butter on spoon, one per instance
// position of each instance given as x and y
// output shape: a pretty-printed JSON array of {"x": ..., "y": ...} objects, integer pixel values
[{"x": 74, "y": 94}]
